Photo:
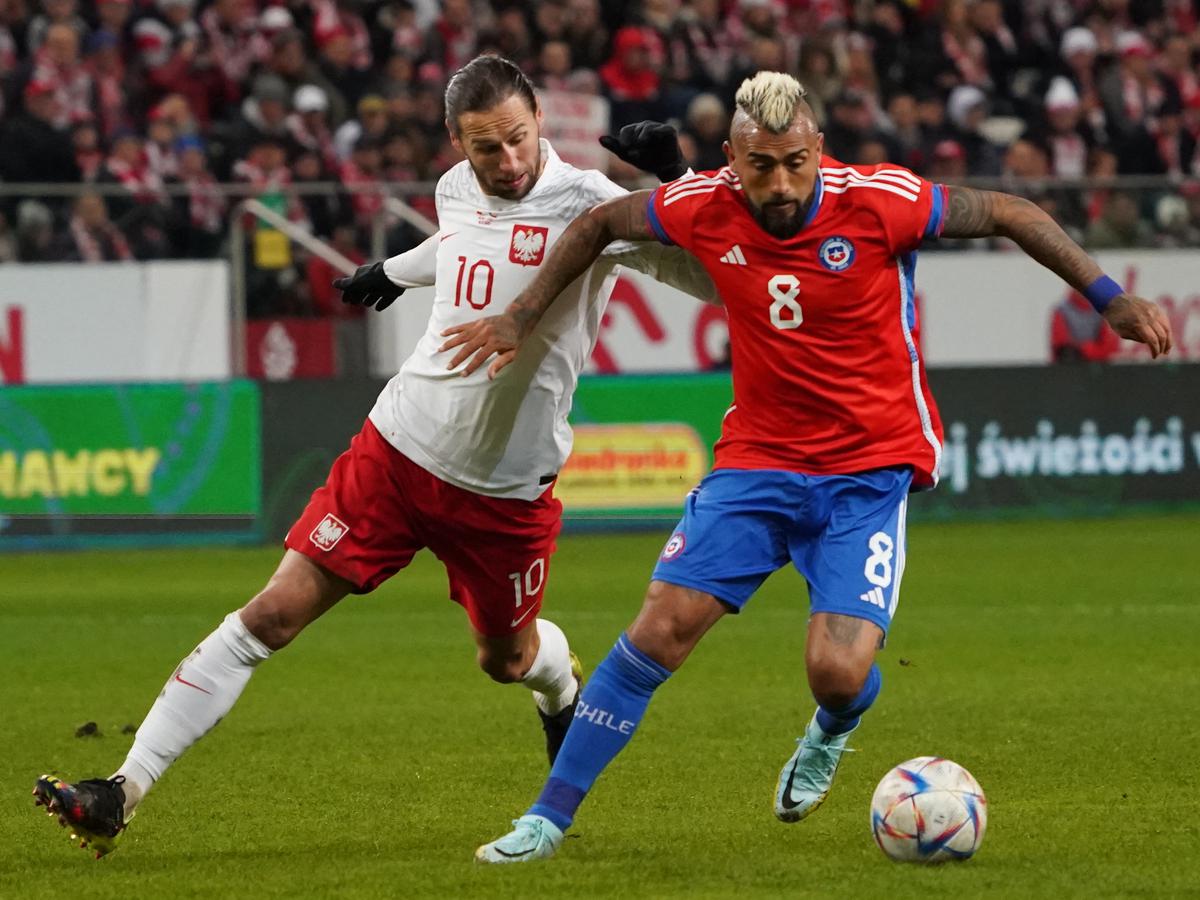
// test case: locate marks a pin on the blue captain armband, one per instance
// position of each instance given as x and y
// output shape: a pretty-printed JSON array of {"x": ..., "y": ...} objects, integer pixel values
[{"x": 1101, "y": 292}]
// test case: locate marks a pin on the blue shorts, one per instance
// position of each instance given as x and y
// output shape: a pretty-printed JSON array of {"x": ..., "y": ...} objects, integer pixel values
[{"x": 843, "y": 533}]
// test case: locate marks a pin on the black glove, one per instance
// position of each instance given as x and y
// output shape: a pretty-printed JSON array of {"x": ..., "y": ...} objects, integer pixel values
[
  {"x": 368, "y": 286},
  {"x": 651, "y": 146}
]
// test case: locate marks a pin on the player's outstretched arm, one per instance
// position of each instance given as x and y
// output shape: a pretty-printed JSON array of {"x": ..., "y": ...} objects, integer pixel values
[
  {"x": 622, "y": 218},
  {"x": 971, "y": 213}
]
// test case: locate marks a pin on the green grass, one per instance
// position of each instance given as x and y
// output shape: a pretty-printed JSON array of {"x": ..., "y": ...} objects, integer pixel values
[{"x": 1055, "y": 660}]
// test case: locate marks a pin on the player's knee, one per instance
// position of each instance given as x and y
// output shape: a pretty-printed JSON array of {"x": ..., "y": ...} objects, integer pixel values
[
  {"x": 503, "y": 668},
  {"x": 836, "y": 682},
  {"x": 270, "y": 621}
]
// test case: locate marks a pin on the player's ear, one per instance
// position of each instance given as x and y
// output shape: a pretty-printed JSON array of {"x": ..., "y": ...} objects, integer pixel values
[
  {"x": 728, "y": 148},
  {"x": 538, "y": 114},
  {"x": 454, "y": 141},
  {"x": 820, "y": 142}
]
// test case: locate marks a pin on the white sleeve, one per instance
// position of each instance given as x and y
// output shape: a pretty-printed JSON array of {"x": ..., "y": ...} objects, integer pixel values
[
  {"x": 414, "y": 268},
  {"x": 670, "y": 265}
]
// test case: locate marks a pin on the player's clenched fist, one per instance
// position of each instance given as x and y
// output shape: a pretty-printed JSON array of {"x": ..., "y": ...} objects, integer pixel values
[
  {"x": 498, "y": 336},
  {"x": 368, "y": 286},
  {"x": 1139, "y": 320}
]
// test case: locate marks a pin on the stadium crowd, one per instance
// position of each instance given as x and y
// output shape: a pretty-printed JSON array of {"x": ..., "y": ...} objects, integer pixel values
[{"x": 143, "y": 95}]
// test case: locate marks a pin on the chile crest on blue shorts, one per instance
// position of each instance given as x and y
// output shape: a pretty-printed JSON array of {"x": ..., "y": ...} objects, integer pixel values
[
  {"x": 674, "y": 546},
  {"x": 836, "y": 253}
]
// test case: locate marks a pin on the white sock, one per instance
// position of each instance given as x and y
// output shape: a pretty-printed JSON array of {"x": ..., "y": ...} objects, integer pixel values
[
  {"x": 550, "y": 676},
  {"x": 198, "y": 695}
]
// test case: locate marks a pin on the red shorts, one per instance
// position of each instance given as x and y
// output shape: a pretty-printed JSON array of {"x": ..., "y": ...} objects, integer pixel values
[{"x": 378, "y": 508}]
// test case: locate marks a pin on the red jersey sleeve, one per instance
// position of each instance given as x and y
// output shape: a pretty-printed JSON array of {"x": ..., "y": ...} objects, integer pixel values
[
  {"x": 672, "y": 208},
  {"x": 908, "y": 219}
]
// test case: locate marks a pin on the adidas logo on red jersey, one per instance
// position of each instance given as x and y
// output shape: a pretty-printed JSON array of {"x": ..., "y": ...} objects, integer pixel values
[{"x": 734, "y": 257}]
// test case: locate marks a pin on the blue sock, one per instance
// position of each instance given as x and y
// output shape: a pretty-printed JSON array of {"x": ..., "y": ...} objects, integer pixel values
[
  {"x": 610, "y": 708},
  {"x": 839, "y": 721}
]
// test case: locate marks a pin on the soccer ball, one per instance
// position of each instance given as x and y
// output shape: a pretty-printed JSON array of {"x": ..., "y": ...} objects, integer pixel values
[{"x": 928, "y": 810}]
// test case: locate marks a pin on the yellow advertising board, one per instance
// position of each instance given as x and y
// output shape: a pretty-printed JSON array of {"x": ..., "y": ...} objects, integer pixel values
[{"x": 631, "y": 466}]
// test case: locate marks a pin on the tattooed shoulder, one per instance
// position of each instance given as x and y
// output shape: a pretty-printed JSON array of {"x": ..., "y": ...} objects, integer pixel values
[{"x": 969, "y": 213}]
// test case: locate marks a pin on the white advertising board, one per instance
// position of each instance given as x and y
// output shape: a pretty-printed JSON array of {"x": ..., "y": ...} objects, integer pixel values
[{"x": 104, "y": 322}]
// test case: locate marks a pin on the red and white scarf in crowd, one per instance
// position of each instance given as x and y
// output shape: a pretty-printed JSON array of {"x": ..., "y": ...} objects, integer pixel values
[
  {"x": 264, "y": 182},
  {"x": 234, "y": 50},
  {"x": 89, "y": 244},
  {"x": 329, "y": 20},
  {"x": 72, "y": 87},
  {"x": 969, "y": 57},
  {"x": 366, "y": 204},
  {"x": 1142, "y": 101},
  {"x": 110, "y": 101},
  {"x": 142, "y": 182},
  {"x": 206, "y": 204},
  {"x": 162, "y": 161}
]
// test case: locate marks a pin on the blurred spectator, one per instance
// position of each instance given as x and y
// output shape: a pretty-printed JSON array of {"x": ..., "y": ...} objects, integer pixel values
[
  {"x": 115, "y": 18},
  {"x": 309, "y": 124},
  {"x": 453, "y": 38},
  {"x": 89, "y": 156},
  {"x": 110, "y": 107},
  {"x": 967, "y": 109},
  {"x": 142, "y": 209},
  {"x": 1174, "y": 223},
  {"x": 1001, "y": 55},
  {"x": 372, "y": 122},
  {"x": 948, "y": 162},
  {"x": 233, "y": 42},
  {"x": 264, "y": 114},
  {"x": 35, "y": 231},
  {"x": 708, "y": 127},
  {"x": 819, "y": 75},
  {"x": 586, "y": 34},
  {"x": 32, "y": 147},
  {"x": 8, "y": 242},
  {"x": 55, "y": 12},
  {"x": 700, "y": 47},
  {"x": 326, "y": 300},
  {"x": 1135, "y": 96},
  {"x": 160, "y": 144},
  {"x": 1079, "y": 334},
  {"x": 631, "y": 77},
  {"x": 907, "y": 139},
  {"x": 554, "y": 66},
  {"x": 1025, "y": 159},
  {"x": 322, "y": 209},
  {"x": 57, "y": 64},
  {"x": 200, "y": 213},
  {"x": 90, "y": 236},
  {"x": 1067, "y": 141},
  {"x": 1119, "y": 225},
  {"x": 954, "y": 53},
  {"x": 851, "y": 123},
  {"x": 361, "y": 173}
]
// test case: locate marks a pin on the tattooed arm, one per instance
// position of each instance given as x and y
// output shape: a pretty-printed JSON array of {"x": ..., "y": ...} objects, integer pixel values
[
  {"x": 622, "y": 218},
  {"x": 972, "y": 214}
]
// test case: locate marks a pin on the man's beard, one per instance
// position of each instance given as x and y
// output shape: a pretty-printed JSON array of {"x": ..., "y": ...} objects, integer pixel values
[
  {"x": 504, "y": 194},
  {"x": 777, "y": 226}
]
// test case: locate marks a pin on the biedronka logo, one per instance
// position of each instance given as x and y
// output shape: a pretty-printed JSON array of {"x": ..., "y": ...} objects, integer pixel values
[{"x": 330, "y": 530}]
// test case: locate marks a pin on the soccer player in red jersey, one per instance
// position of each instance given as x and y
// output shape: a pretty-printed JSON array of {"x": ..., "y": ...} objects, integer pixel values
[{"x": 832, "y": 422}]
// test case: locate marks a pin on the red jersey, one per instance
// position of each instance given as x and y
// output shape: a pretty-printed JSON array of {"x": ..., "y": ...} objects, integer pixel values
[{"x": 827, "y": 377}]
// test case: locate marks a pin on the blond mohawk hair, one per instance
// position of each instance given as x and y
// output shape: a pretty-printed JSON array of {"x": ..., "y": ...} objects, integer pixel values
[{"x": 771, "y": 100}]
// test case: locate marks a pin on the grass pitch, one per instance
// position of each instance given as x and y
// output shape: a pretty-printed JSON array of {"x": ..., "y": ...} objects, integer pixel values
[{"x": 1057, "y": 661}]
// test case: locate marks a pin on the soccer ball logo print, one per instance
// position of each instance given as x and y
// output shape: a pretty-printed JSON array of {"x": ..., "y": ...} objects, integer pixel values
[
  {"x": 674, "y": 546},
  {"x": 330, "y": 530},
  {"x": 528, "y": 245},
  {"x": 836, "y": 254}
]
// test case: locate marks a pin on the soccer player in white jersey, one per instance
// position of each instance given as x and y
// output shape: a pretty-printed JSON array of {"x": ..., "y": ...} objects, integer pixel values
[{"x": 460, "y": 464}]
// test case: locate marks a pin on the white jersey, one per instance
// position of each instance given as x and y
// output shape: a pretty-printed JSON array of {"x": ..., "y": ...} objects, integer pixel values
[{"x": 508, "y": 437}]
